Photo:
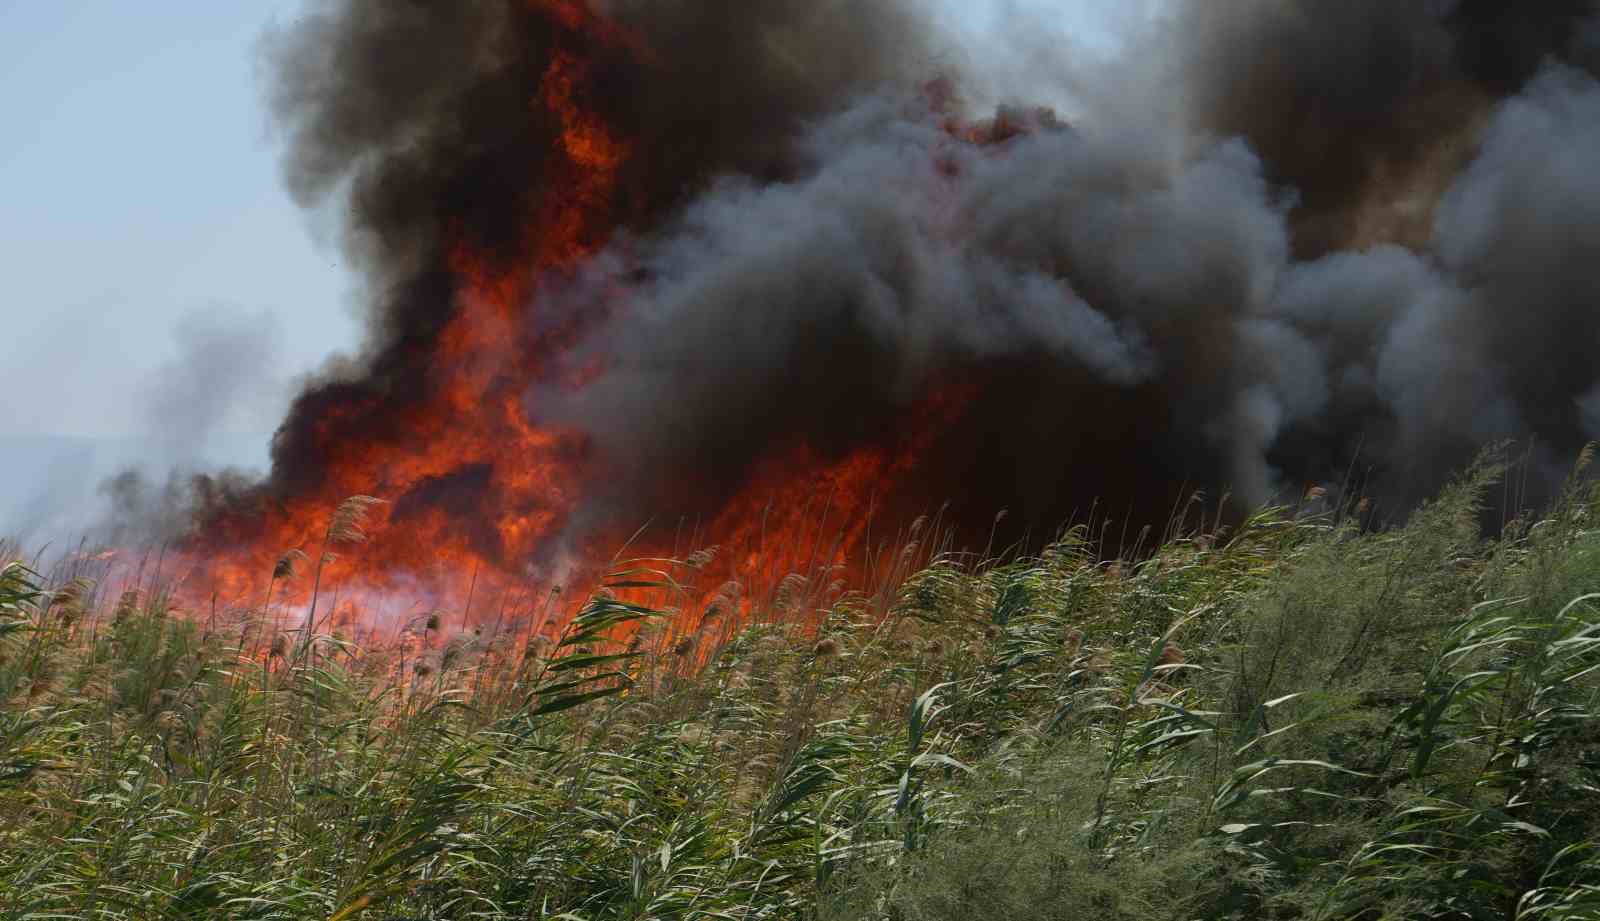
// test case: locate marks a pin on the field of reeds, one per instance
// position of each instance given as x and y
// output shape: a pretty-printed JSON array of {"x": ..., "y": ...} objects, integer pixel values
[{"x": 1296, "y": 717}]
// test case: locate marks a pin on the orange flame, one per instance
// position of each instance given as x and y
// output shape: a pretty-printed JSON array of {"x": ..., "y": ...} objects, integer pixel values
[{"x": 799, "y": 512}]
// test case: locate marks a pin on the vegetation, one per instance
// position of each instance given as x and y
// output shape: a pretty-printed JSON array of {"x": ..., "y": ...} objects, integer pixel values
[{"x": 1301, "y": 718}]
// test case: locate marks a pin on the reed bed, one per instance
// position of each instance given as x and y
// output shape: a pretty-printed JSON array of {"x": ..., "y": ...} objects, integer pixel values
[{"x": 1299, "y": 717}]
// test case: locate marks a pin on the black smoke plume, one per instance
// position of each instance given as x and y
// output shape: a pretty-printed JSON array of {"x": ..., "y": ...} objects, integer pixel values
[
  {"x": 425, "y": 121},
  {"x": 1279, "y": 241}
]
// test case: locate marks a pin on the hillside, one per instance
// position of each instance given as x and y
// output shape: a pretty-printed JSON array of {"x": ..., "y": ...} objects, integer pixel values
[{"x": 1296, "y": 718}]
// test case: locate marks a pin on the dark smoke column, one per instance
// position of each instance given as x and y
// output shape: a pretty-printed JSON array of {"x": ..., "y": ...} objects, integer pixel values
[
  {"x": 474, "y": 150},
  {"x": 632, "y": 259}
]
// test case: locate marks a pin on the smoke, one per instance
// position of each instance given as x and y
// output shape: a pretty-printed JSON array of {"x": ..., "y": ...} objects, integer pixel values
[
  {"x": 1364, "y": 107},
  {"x": 1272, "y": 242},
  {"x": 195, "y": 411},
  {"x": 824, "y": 307},
  {"x": 222, "y": 377},
  {"x": 432, "y": 124},
  {"x": 1357, "y": 236}
]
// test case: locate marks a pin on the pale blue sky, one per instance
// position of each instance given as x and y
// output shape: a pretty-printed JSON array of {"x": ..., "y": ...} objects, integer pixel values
[{"x": 139, "y": 186}]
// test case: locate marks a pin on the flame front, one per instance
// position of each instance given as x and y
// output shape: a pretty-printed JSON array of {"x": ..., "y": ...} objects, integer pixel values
[
  {"x": 652, "y": 278},
  {"x": 475, "y": 491}
]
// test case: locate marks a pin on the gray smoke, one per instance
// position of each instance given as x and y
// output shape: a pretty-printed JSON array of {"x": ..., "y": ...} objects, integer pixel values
[
  {"x": 1327, "y": 237},
  {"x": 1273, "y": 242},
  {"x": 224, "y": 376},
  {"x": 430, "y": 126},
  {"x": 196, "y": 412}
]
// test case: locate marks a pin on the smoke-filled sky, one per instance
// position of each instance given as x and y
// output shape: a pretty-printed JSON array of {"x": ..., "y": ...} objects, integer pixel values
[
  {"x": 1270, "y": 240},
  {"x": 153, "y": 254},
  {"x": 142, "y": 185}
]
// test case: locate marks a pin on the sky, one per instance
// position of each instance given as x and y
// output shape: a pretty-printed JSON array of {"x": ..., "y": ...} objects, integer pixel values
[
  {"x": 141, "y": 188},
  {"x": 141, "y": 204}
]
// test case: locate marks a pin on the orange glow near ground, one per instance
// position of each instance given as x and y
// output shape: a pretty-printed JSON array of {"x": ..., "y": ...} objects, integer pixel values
[{"x": 798, "y": 512}]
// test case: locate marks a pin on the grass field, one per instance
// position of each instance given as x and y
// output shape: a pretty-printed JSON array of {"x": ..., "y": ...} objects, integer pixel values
[{"x": 1295, "y": 718}]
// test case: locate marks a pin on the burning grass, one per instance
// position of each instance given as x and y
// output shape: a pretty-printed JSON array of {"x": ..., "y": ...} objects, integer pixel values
[{"x": 1300, "y": 718}]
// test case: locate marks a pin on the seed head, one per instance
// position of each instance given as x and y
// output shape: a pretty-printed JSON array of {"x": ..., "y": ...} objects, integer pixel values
[
  {"x": 127, "y": 604},
  {"x": 700, "y": 559},
  {"x": 791, "y": 590},
  {"x": 348, "y": 524},
  {"x": 69, "y": 595},
  {"x": 288, "y": 563},
  {"x": 450, "y": 655}
]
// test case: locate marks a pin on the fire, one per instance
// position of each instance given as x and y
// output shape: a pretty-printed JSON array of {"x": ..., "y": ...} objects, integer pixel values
[{"x": 477, "y": 494}]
